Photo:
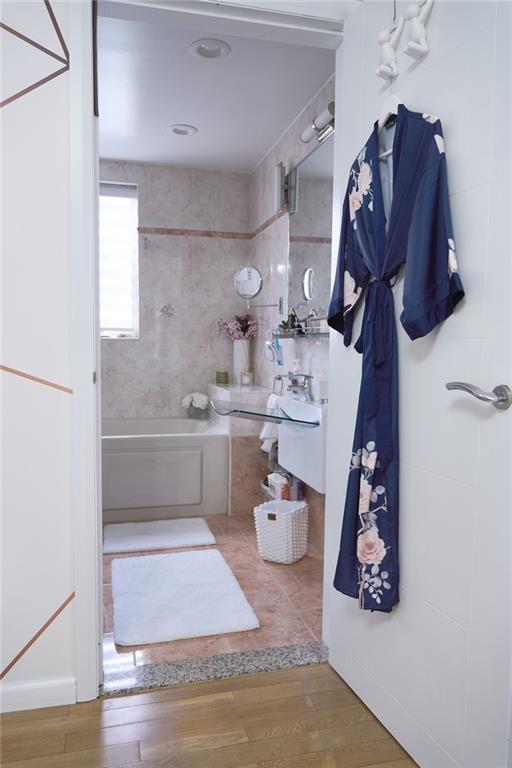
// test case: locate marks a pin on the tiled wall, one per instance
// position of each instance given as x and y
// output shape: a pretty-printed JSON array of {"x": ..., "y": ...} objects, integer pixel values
[
  {"x": 194, "y": 273},
  {"x": 270, "y": 255},
  {"x": 310, "y": 244},
  {"x": 271, "y": 246}
]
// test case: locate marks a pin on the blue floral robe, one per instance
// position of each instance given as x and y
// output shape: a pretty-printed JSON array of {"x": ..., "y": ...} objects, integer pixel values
[{"x": 388, "y": 220}]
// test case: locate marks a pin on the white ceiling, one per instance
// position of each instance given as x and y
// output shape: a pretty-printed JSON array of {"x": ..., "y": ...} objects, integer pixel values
[{"x": 241, "y": 104}]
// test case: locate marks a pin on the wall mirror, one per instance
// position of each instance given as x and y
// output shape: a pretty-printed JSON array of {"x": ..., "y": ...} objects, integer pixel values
[
  {"x": 309, "y": 254},
  {"x": 248, "y": 282}
]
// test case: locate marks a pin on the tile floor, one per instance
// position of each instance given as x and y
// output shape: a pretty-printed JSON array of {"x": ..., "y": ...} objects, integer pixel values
[{"x": 287, "y": 600}]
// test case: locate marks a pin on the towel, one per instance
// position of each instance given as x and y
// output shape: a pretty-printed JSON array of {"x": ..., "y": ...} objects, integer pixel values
[{"x": 269, "y": 430}]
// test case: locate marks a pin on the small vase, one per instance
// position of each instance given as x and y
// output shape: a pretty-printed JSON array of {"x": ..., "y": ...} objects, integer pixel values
[
  {"x": 197, "y": 413},
  {"x": 240, "y": 358}
]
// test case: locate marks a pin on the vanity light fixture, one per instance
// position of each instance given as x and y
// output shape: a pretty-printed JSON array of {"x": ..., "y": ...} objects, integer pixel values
[
  {"x": 321, "y": 127},
  {"x": 182, "y": 129},
  {"x": 210, "y": 48}
]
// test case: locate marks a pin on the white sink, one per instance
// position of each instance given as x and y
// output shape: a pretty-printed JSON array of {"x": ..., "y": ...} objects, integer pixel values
[{"x": 302, "y": 448}]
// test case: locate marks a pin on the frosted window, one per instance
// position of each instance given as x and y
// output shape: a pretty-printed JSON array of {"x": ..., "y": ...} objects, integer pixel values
[{"x": 119, "y": 261}]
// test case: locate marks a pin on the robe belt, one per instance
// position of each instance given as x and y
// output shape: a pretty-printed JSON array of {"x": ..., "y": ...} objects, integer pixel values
[{"x": 379, "y": 334}]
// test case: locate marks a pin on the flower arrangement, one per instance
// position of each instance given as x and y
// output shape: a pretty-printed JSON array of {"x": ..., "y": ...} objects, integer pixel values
[
  {"x": 196, "y": 400},
  {"x": 239, "y": 328}
]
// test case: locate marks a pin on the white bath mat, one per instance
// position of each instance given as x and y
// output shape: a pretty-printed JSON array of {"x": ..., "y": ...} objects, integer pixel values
[
  {"x": 177, "y": 596},
  {"x": 157, "y": 534}
]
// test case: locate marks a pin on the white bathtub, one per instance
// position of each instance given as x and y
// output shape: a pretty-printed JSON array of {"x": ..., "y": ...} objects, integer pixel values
[{"x": 156, "y": 468}]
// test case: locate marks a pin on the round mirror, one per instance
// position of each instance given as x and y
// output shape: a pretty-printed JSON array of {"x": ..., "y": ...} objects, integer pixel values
[
  {"x": 308, "y": 283},
  {"x": 248, "y": 282}
]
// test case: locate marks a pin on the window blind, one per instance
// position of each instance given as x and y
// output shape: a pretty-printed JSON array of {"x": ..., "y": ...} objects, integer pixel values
[{"x": 118, "y": 278}]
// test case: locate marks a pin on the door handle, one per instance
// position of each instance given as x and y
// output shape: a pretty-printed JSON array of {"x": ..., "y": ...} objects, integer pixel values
[{"x": 500, "y": 397}]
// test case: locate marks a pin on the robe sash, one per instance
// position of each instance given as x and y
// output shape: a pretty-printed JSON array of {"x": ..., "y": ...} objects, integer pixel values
[{"x": 377, "y": 342}]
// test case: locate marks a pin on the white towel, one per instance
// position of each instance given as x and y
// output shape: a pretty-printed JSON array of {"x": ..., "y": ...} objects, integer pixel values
[{"x": 269, "y": 429}]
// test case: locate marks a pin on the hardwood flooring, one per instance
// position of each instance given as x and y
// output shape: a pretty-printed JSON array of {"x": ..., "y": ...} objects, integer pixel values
[{"x": 296, "y": 718}]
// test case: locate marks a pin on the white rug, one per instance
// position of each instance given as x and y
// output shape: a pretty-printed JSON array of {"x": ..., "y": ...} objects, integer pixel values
[
  {"x": 156, "y": 534},
  {"x": 172, "y": 597}
]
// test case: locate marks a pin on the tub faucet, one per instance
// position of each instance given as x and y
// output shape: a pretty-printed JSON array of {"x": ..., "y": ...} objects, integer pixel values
[{"x": 300, "y": 384}]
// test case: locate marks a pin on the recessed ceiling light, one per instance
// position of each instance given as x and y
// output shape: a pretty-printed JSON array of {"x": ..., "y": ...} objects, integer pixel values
[
  {"x": 209, "y": 48},
  {"x": 182, "y": 129}
]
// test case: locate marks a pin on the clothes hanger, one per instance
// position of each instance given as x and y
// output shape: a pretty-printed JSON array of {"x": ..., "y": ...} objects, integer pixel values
[
  {"x": 389, "y": 110},
  {"x": 388, "y": 117}
]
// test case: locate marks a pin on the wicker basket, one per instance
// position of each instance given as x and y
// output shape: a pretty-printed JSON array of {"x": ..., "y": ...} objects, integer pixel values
[{"x": 282, "y": 530}]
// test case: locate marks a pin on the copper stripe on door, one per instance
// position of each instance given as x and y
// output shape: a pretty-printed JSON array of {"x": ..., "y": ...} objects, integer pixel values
[
  {"x": 37, "y": 635},
  {"x": 63, "y": 59},
  {"x": 37, "y": 379}
]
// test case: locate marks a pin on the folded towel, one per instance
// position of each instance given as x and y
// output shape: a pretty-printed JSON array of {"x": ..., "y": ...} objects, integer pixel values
[{"x": 269, "y": 430}]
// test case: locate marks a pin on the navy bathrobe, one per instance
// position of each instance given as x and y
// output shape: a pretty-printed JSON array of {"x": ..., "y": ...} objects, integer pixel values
[{"x": 395, "y": 212}]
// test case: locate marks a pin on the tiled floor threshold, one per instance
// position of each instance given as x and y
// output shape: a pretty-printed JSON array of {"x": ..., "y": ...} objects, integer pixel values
[
  {"x": 200, "y": 669},
  {"x": 287, "y": 600}
]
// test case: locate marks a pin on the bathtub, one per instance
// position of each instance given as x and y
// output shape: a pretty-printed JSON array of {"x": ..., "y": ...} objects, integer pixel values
[{"x": 157, "y": 468}]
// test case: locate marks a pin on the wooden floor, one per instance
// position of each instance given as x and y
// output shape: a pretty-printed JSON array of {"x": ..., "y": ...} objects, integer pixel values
[{"x": 296, "y": 718}]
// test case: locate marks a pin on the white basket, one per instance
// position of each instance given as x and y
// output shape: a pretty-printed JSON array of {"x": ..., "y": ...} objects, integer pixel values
[{"x": 282, "y": 530}]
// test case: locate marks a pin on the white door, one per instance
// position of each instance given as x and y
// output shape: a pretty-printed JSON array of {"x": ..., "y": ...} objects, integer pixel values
[{"x": 437, "y": 670}]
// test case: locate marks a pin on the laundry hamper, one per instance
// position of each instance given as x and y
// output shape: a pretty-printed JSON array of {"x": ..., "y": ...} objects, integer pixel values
[{"x": 282, "y": 530}]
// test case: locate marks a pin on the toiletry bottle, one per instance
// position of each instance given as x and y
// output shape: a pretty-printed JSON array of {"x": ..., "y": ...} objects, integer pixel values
[{"x": 222, "y": 376}]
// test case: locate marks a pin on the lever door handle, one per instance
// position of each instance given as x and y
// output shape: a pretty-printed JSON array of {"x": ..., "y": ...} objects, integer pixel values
[{"x": 500, "y": 397}]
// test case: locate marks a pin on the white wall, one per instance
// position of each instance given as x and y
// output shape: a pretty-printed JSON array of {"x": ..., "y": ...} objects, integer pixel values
[
  {"x": 149, "y": 376},
  {"x": 37, "y": 563},
  {"x": 437, "y": 670}
]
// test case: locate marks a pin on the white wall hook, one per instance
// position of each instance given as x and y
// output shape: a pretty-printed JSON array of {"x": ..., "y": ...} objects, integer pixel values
[
  {"x": 417, "y": 14},
  {"x": 388, "y": 40}
]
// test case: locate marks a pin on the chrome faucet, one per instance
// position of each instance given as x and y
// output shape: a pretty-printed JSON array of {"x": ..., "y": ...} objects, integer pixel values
[{"x": 300, "y": 384}]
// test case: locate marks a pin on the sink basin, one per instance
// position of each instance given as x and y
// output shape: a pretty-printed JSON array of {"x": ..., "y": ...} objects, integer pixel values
[{"x": 302, "y": 448}]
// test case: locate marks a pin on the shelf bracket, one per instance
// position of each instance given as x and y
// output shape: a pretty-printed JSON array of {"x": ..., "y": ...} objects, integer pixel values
[{"x": 279, "y": 305}]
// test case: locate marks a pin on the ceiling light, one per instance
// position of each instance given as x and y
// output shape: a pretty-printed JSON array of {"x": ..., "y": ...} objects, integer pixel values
[
  {"x": 321, "y": 127},
  {"x": 182, "y": 129},
  {"x": 209, "y": 48}
]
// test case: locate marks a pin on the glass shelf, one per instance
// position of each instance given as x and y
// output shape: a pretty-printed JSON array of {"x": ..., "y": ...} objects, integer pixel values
[
  {"x": 305, "y": 335},
  {"x": 257, "y": 413}
]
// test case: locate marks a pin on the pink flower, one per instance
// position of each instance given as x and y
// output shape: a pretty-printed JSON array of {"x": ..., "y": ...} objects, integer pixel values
[
  {"x": 369, "y": 460},
  {"x": 365, "y": 178},
  {"x": 365, "y": 494},
  {"x": 350, "y": 294},
  {"x": 355, "y": 200},
  {"x": 239, "y": 328},
  {"x": 371, "y": 550}
]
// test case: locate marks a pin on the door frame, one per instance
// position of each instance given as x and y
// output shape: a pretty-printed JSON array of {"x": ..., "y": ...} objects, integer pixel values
[
  {"x": 85, "y": 336},
  {"x": 84, "y": 353}
]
